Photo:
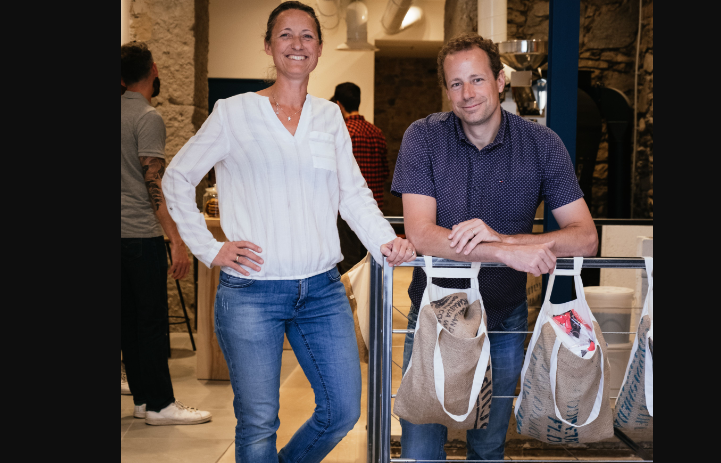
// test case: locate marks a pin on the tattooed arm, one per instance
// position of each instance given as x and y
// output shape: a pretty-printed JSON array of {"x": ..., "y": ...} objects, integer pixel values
[{"x": 153, "y": 170}]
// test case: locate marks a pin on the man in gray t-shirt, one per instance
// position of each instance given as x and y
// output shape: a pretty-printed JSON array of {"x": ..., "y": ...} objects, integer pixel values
[
  {"x": 142, "y": 135},
  {"x": 143, "y": 261}
]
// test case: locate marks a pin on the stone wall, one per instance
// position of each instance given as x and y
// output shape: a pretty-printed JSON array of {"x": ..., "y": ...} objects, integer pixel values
[
  {"x": 176, "y": 32},
  {"x": 527, "y": 19},
  {"x": 607, "y": 46},
  {"x": 643, "y": 199},
  {"x": 405, "y": 91},
  {"x": 461, "y": 16}
]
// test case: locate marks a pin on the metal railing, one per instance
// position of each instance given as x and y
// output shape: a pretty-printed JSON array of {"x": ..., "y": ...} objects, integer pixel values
[
  {"x": 380, "y": 359},
  {"x": 398, "y": 220}
]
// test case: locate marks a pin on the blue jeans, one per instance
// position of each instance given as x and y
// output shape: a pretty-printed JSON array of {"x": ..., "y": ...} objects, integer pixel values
[
  {"x": 426, "y": 441},
  {"x": 250, "y": 319}
]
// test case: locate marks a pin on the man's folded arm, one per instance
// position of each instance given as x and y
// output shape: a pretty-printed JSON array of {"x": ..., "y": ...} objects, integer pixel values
[
  {"x": 419, "y": 213},
  {"x": 576, "y": 238},
  {"x": 419, "y": 216}
]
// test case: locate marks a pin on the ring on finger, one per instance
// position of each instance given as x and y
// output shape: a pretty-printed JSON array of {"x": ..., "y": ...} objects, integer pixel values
[
  {"x": 237, "y": 259},
  {"x": 474, "y": 231}
]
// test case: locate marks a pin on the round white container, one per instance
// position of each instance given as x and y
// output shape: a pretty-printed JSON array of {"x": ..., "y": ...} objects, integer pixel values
[
  {"x": 618, "y": 355},
  {"x": 613, "y": 308}
]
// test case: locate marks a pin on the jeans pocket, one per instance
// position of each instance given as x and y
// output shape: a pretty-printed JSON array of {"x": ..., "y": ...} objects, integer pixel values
[
  {"x": 523, "y": 326},
  {"x": 230, "y": 281},
  {"x": 517, "y": 320},
  {"x": 333, "y": 275}
]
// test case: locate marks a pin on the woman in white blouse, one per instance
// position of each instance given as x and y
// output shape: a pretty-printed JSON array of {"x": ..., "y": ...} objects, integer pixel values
[{"x": 285, "y": 168}]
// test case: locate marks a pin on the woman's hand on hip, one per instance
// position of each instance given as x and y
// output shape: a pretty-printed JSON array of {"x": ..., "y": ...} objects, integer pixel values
[
  {"x": 398, "y": 251},
  {"x": 233, "y": 254}
]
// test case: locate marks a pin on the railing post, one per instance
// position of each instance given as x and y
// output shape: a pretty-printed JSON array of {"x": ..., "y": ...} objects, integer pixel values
[
  {"x": 387, "y": 329},
  {"x": 374, "y": 362}
]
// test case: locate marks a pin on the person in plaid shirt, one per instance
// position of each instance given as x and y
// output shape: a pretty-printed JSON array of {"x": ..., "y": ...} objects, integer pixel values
[{"x": 369, "y": 149}]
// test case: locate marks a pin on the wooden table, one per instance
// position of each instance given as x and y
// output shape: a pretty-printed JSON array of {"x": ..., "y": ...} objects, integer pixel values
[{"x": 211, "y": 363}]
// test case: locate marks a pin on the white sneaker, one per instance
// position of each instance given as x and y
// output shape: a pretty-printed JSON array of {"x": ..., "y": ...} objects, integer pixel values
[
  {"x": 140, "y": 411},
  {"x": 124, "y": 387},
  {"x": 177, "y": 413}
]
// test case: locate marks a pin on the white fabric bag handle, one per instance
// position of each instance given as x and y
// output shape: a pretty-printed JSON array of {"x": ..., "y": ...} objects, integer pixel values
[
  {"x": 478, "y": 376},
  {"x": 575, "y": 273},
  {"x": 435, "y": 272},
  {"x": 580, "y": 295},
  {"x": 543, "y": 317},
  {"x": 599, "y": 397},
  {"x": 584, "y": 312},
  {"x": 438, "y": 369},
  {"x": 435, "y": 293},
  {"x": 648, "y": 361},
  {"x": 647, "y": 309},
  {"x": 547, "y": 307}
]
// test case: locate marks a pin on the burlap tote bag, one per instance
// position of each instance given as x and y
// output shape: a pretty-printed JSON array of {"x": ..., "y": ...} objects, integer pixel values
[
  {"x": 357, "y": 282},
  {"x": 634, "y": 407},
  {"x": 448, "y": 380},
  {"x": 565, "y": 381}
]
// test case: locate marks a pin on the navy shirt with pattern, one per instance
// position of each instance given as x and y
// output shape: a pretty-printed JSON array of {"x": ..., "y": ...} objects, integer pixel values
[{"x": 502, "y": 184}]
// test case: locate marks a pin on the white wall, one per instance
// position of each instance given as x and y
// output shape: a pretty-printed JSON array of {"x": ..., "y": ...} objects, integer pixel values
[{"x": 236, "y": 45}]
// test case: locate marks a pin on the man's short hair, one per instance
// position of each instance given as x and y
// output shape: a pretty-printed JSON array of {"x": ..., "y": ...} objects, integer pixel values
[
  {"x": 466, "y": 42},
  {"x": 136, "y": 61},
  {"x": 348, "y": 94}
]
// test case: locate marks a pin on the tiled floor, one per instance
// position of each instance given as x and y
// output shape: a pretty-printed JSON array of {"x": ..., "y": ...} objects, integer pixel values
[
  {"x": 202, "y": 443},
  {"x": 214, "y": 442}
]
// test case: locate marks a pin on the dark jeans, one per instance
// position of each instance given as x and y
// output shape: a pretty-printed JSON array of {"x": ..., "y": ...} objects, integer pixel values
[
  {"x": 350, "y": 246},
  {"x": 144, "y": 320}
]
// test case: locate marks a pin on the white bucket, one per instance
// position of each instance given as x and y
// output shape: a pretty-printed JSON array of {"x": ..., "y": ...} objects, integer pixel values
[
  {"x": 613, "y": 308},
  {"x": 618, "y": 355}
]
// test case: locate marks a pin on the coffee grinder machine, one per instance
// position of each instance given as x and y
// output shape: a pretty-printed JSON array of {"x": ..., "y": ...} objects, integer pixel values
[{"x": 529, "y": 89}]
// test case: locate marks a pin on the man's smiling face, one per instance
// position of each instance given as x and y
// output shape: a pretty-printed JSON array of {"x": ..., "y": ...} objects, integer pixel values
[{"x": 471, "y": 87}]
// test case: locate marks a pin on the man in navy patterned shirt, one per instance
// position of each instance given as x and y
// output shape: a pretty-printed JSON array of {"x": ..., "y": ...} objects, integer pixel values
[{"x": 471, "y": 181}]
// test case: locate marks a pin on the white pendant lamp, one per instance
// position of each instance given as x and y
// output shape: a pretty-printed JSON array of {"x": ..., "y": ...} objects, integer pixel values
[{"x": 356, "y": 18}]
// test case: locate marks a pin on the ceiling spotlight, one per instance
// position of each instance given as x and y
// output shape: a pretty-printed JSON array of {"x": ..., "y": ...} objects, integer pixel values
[
  {"x": 414, "y": 15},
  {"x": 400, "y": 15}
]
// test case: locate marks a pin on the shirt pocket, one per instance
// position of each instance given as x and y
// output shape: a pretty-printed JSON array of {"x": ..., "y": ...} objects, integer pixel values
[{"x": 322, "y": 148}]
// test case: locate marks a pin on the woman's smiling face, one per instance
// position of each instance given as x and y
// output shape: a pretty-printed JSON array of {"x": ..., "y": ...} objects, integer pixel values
[{"x": 294, "y": 44}]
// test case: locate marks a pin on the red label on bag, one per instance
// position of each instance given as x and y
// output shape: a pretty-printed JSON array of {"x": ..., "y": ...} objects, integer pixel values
[
  {"x": 578, "y": 317},
  {"x": 564, "y": 321}
]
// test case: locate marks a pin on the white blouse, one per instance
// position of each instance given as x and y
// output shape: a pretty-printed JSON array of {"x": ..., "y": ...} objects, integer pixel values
[{"x": 278, "y": 191}]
